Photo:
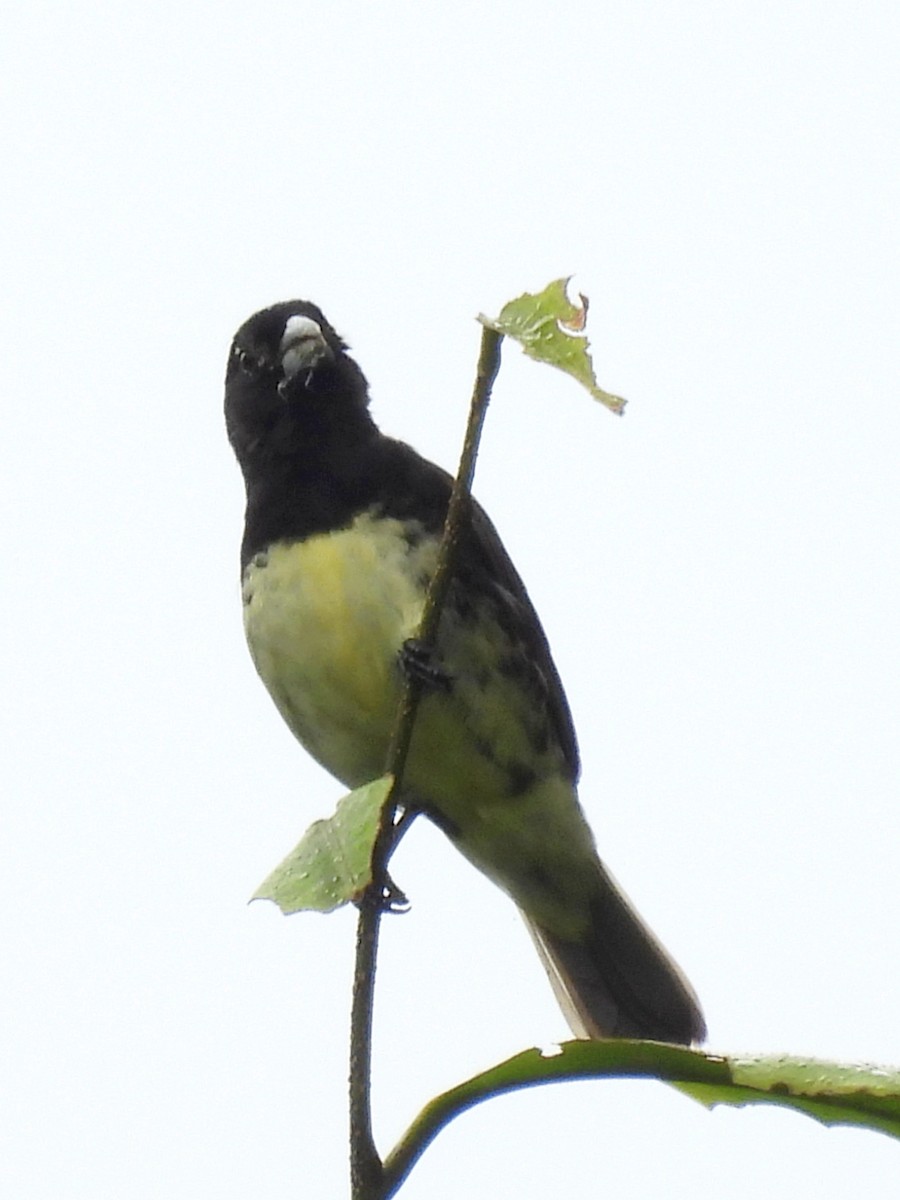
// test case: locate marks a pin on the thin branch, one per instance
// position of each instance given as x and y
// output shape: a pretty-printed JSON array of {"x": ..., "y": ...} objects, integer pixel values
[{"x": 366, "y": 1168}]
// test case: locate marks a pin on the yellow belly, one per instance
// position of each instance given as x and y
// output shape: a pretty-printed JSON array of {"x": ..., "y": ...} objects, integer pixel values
[{"x": 325, "y": 620}]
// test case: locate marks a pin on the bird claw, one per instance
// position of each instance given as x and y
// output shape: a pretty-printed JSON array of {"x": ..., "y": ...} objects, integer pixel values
[
  {"x": 389, "y": 898},
  {"x": 393, "y": 898},
  {"x": 417, "y": 661}
]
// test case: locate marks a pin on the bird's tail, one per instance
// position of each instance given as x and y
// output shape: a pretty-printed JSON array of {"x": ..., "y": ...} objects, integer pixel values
[{"x": 616, "y": 980}]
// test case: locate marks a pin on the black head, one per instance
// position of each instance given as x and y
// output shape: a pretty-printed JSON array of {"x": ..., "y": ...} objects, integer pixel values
[{"x": 291, "y": 387}]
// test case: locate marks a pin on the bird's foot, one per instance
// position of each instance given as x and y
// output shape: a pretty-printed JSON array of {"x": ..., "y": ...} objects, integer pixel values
[
  {"x": 418, "y": 662},
  {"x": 389, "y": 898}
]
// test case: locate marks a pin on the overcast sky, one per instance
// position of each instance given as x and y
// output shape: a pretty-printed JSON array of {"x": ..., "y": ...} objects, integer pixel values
[{"x": 718, "y": 571}]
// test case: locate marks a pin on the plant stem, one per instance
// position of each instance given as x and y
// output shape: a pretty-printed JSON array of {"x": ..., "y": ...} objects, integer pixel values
[{"x": 366, "y": 1168}]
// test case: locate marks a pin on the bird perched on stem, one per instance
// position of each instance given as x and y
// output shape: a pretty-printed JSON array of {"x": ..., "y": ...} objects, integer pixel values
[{"x": 342, "y": 531}]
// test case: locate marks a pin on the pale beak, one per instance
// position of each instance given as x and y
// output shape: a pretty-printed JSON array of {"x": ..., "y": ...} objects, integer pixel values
[{"x": 302, "y": 347}]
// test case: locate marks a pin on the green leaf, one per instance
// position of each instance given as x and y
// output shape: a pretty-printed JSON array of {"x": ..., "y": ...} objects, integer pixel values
[
  {"x": 333, "y": 862},
  {"x": 831, "y": 1093},
  {"x": 550, "y": 328}
]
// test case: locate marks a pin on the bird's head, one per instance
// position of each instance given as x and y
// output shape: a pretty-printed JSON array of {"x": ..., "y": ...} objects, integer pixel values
[{"x": 290, "y": 383}]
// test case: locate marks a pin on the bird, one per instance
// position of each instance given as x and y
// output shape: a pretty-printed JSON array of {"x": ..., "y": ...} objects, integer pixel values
[{"x": 341, "y": 535}]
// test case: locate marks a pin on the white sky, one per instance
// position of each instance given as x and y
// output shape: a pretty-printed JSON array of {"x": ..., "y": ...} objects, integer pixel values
[{"x": 718, "y": 572}]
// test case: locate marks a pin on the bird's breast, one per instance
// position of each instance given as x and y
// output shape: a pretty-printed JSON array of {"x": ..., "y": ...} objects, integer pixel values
[{"x": 325, "y": 619}]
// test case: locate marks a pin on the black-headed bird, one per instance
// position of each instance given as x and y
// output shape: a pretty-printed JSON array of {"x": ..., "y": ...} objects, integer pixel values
[{"x": 342, "y": 531}]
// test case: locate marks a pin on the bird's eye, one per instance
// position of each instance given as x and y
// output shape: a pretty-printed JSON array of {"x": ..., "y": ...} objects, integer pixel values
[{"x": 249, "y": 363}]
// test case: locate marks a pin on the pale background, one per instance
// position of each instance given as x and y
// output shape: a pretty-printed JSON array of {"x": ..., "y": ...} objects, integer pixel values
[{"x": 718, "y": 571}]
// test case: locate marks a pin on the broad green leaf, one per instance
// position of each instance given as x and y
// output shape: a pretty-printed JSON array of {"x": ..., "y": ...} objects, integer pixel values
[
  {"x": 831, "y": 1093},
  {"x": 333, "y": 862},
  {"x": 550, "y": 328}
]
